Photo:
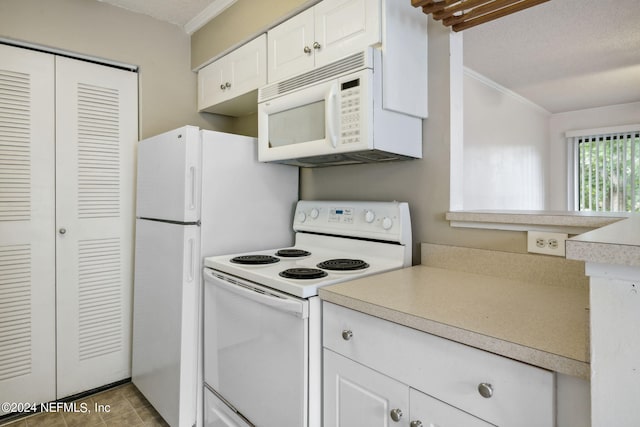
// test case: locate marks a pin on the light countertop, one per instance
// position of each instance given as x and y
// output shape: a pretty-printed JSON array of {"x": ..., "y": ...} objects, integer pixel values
[
  {"x": 617, "y": 244},
  {"x": 545, "y": 326}
]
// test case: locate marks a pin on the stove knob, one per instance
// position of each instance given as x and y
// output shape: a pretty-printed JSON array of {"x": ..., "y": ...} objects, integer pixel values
[
  {"x": 369, "y": 216},
  {"x": 302, "y": 217},
  {"x": 315, "y": 213},
  {"x": 387, "y": 223}
]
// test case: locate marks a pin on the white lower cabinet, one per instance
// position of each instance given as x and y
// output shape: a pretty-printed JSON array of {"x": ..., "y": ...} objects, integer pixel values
[
  {"x": 425, "y": 411},
  {"x": 377, "y": 372},
  {"x": 357, "y": 396}
]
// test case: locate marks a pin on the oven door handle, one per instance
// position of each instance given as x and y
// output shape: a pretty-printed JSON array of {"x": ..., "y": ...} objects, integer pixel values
[{"x": 288, "y": 305}]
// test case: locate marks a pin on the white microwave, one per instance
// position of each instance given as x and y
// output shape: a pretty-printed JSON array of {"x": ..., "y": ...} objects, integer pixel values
[{"x": 333, "y": 115}]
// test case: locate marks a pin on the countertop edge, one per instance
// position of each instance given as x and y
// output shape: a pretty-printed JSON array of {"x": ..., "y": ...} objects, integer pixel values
[
  {"x": 615, "y": 244},
  {"x": 538, "y": 218},
  {"x": 529, "y": 355}
]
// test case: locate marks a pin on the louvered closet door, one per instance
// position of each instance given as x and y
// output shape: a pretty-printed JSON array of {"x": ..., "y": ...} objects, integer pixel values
[
  {"x": 96, "y": 137},
  {"x": 27, "y": 239}
]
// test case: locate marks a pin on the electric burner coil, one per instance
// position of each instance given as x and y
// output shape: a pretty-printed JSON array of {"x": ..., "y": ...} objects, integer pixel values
[
  {"x": 343, "y": 264},
  {"x": 292, "y": 253},
  {"x": 255, "y": 259},
  {"x": 303, "y": 273}
]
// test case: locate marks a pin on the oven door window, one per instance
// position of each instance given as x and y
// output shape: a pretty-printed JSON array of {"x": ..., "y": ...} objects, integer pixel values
[
  {"x": 297, "y": 125},
  {"x": 255, "y": 353}
]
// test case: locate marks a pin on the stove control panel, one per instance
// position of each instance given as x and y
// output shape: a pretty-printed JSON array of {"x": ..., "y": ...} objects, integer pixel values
[{"x": 387, "y": 221}]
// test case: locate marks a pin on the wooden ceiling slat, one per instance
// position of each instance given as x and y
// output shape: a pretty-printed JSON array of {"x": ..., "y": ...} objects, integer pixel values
[
  {"x": 497, "y": 14},
  {"x": 463, "y": 14},
  {"x": 461, "y": 6},
  {"x": 479, "y": 11},
  {"x": 433, "y": 6}
]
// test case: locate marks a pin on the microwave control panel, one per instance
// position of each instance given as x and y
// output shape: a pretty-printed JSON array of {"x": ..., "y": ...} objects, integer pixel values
[{"x": 350, "y": 111}]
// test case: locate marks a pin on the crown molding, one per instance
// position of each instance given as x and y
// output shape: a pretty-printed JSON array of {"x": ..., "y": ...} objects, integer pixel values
[
  {"x": 209, "y": 12},
  {"x": 497, "y": 86}
]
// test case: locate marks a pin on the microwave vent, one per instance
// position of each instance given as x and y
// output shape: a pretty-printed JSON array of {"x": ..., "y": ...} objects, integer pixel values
[
  {"x": 365, "y": 156},
  {"x": 345, "y": 65}
]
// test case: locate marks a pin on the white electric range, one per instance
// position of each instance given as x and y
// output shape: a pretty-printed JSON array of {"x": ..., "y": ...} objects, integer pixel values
[{"x": 262, "y": 323}]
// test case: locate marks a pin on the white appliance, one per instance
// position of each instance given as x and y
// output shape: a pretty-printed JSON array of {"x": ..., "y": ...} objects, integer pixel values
[
  {"x": 333, "y": 115},
  {"x": 262, "y": 323},
  {"x": 200, "y": 193}
]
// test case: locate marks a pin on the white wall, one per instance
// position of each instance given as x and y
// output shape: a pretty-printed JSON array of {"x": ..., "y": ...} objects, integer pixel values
[
  {"x": 505, "y": 148},
  {"x": 614, "y": 115}
]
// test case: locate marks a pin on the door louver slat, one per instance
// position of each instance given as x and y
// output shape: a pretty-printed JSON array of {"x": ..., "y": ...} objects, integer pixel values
[
  {"x": 98, "y": 151},
  {"x": 100, "y": 297},
  {"x": 15, "y": 148},
  {"x": 15, "y": 311}
]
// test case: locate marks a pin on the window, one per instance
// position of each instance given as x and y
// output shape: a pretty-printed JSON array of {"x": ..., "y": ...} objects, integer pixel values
[{"x": 605, "y": 169}]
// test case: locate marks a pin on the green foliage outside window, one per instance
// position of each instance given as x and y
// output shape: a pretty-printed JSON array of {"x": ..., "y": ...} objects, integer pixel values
[{"x": 609, "y": 173}]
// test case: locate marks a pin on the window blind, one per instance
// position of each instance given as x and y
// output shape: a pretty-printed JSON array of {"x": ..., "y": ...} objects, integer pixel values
[{"x": 608, "y": 172}]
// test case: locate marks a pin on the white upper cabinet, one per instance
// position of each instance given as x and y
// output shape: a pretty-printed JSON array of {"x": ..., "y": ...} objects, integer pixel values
[
  {"x": 291, "y": 46},
  {"x": 229, "y": 85},
  {"x": 322, "y": 34},
  {"x": 343, "y": 27}
]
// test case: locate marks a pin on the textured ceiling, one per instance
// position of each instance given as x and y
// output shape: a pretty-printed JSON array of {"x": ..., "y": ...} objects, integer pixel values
[
  {"x": 177, "y": 12},
  {"x": 563, "y": 55}
]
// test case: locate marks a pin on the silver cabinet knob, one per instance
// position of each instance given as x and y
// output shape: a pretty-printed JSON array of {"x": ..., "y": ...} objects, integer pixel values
[
  {"x": 485, "y": 390},
  {"x": 227, "y": 85},
  {"x": 416, "y": 423},
  {"x": 307, "y": 50},
  {"x": 347, "y": 335},
  {"x": 62, "y": 231},
  {"x": 316, "y": 45},
  {"x": 222, "y": 86},
  {"x": 395, "y": 414}
]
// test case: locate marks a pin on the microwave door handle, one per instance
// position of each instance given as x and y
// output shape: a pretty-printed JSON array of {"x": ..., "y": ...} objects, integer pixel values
[{"x": 332, "y": 114}]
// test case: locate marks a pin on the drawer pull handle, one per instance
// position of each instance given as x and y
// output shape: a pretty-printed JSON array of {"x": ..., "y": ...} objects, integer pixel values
[
  {"x": 347, "y": 335},
  {"x": 485, "y": 390},
  {"x": 395, "y": 414},
  {"x": 416, "y": 423}
]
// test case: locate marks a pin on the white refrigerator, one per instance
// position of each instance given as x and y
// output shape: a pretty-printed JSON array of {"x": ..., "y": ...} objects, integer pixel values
[{"x": 200, "y": 193}]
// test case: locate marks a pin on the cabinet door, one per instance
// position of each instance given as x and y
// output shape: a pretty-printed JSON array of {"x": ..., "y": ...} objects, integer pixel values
[
  {"x": 343, "y": 27},
  {"x": 96, "y": 136},
  {"x": 356, "y": 396},
  {"x": 291, "y": 47},
  {"x": 211, "y": 88},
  {"x": 229, "y": 85},
  {"x": 27, "y": 227},
  {"x": 247, "y": 67},
  {"x": 433, "y": 412}
]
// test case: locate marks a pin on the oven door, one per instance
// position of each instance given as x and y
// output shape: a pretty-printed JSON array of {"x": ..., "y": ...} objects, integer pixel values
[{"x": 256, "y": 350}]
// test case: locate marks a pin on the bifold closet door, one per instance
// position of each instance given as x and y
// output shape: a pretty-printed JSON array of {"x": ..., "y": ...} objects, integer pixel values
[
  {"x": 27, "y": 228},
  {"x": 96, "y": 137}
]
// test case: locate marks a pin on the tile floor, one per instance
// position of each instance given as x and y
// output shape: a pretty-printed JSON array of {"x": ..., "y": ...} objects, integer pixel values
[{"x": 127, "y": 408}]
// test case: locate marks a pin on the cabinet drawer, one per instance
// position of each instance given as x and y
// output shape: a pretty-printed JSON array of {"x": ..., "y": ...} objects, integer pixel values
[{"x": 521, "y": 395}]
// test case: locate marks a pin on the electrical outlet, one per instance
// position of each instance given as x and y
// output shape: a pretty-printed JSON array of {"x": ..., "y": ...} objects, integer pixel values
[{"x": 542, "y": 242}]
